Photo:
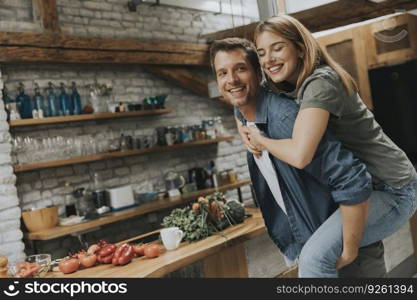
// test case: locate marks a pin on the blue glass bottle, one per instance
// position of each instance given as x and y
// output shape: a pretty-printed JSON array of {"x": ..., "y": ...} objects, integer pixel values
[
  {"x": 6, "y": 98},
  {"x": 52, "y": 99},
  {"x": 75, "y": 100},
  {"x": 65, "y": 102},
  {"x": 39, "y": 102},
  {"x": 24, "y": 103}
]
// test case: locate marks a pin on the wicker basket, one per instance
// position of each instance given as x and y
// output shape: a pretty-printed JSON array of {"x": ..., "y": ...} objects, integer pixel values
[{"x": 40, "y": 219}]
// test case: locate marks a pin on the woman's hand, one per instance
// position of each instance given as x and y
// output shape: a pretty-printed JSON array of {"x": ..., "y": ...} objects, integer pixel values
[
  {"x": 255, "y": 137},
  {"x": 244, "y": 134},
  {"x": 347, "y": 257}
]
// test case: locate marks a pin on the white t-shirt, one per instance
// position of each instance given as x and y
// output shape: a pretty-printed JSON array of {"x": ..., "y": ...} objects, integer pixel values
[{"x": 264, "y": 164}]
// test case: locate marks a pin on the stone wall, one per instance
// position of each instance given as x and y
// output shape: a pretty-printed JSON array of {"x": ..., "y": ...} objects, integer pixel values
[
  {"x": 10, "y": 233},
  {"x": 17, "y": 15},
  {"x": 111, "y": 18}
]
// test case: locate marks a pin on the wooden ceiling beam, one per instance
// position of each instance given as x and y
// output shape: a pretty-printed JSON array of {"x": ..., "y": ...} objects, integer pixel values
[
  {"x": 58, "y": 48},
  {"x": 183, "y": 77},
  {"x": 45, "y": 40},
  {"x": 45, "y": 55},
  {"x": 331, "y": 15}
]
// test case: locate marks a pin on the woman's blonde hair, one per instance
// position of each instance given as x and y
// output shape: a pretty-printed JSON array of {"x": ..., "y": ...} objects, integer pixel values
[{"x": 314, "y": 55}]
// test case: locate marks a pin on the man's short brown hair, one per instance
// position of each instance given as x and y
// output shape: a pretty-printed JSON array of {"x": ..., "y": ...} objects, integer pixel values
[{"x": 230, "y": 44}]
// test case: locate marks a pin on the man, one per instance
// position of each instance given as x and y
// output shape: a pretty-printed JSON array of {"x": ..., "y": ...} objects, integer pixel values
[{"x": 294, "y": 203}]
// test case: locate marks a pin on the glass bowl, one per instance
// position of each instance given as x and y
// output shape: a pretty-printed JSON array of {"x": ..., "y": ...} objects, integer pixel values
[{"x": 42, "y": 260}]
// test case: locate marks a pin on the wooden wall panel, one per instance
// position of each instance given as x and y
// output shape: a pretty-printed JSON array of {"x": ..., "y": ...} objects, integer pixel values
[
  {"x": 345, "y": 55},
  {"x": 48, "y": 14}
]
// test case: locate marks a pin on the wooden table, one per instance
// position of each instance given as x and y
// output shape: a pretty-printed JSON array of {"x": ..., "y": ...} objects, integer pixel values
[{"x": 223, "y": 255}]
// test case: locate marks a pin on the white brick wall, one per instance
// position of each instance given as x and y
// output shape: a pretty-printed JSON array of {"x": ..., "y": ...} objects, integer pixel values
[
  {"x": 113, "y": 19},
  {"x": 10, "y": 233}
]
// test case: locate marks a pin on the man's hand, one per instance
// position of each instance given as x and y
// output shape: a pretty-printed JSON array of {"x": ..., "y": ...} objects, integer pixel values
[
  {"x": 244, "y": 134},
  {"x": 346, "y": 258}
]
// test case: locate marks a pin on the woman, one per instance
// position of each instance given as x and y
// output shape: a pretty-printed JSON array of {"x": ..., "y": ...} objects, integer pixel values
[{"x": 294, "y": 63}]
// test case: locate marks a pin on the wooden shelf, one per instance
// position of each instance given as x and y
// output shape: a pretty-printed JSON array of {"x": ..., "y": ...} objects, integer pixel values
[
  {"x": 96, "y": 157},
  {"x": 59, "y": 231},
  {"x": 87, "y": 117}
]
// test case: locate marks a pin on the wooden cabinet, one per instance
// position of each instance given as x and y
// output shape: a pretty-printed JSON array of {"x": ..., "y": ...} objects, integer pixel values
[{"x": 360, "y": 48}]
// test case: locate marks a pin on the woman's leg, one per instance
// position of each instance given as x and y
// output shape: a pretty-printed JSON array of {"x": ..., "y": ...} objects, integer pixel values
[{"x": 388, "y": 211}]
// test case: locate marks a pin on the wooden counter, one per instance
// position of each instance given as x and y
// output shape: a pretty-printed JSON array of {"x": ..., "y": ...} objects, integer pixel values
[{"x": 223, "y": 255}]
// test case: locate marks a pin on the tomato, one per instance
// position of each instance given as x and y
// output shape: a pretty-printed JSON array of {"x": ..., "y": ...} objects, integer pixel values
[
  {"x": 69, "y": 265},
  {"x": 139, "y": 249},
  {"x": 88, "y": 260},
  {"x": 152, "y": 250},
  {"x": 196, "y": 206}
]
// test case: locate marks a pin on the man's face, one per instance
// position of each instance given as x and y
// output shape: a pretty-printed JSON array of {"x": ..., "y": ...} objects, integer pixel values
[{"x": 236, "y": 78}]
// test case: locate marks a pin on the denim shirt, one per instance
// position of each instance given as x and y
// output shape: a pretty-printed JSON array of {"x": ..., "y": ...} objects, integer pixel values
[{"x": 310, "y": 195}]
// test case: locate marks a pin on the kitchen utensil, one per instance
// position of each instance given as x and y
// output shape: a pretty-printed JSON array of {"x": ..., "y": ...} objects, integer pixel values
[{"x": 173, "y": 180}]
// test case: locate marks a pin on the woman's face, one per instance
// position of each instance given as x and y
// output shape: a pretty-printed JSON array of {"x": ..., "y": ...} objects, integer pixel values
[{"x": 278, "y": 57}]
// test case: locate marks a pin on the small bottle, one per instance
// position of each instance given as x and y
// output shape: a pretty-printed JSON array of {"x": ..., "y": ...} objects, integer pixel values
[
  {"x": 6, "y": 98},
  {"x": 35, "y": 114},
  {"x": 39, "y": 103},
  {"x": 53, "y": 102},
  {"x": 219, "y": 128},
  {"x": 75, "y": 100},
  {"x": 24, "y": 103},
  {"x": 70, "y": 208},
  {"x": 213, "y": 171},
  {"x": 65, "y": 102},
  {"x": 7, "y": 102},
  {"x": 122, "y": 107}
]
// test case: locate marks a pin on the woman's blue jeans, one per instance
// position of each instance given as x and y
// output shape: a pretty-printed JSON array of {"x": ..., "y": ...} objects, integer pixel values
[{"x": 389, "y": 209}]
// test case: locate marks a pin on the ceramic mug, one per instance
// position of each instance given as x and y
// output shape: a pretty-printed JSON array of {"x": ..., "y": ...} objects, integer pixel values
[
  {"x": 171, "y": 237},
  {"x": 170, "y": 138}
]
